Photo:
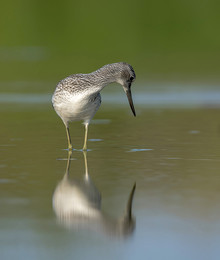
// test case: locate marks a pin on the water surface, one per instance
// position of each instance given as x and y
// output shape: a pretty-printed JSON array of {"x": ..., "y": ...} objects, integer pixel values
[{"x": 171, "y": 154}]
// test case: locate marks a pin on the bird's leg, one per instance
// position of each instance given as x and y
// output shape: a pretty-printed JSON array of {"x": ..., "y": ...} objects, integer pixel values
[
  {"x": 86, "y": 134},
  {"x": 68, "y": 137}
]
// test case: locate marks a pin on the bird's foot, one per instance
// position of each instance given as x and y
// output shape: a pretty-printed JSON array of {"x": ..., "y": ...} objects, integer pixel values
[
  {"x": 84, "y": 148},
  {"x": 70, "y": 147}
]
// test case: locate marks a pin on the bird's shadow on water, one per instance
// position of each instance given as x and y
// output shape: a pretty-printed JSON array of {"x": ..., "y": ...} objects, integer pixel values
[{"x": 77, "y": 205}]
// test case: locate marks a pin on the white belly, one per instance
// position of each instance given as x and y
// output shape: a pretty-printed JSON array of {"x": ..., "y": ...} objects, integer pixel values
[{"x": 76, "y": 108}]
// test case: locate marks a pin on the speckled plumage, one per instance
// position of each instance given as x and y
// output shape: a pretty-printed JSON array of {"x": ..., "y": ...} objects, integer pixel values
[{"x": 77, "y": 97}]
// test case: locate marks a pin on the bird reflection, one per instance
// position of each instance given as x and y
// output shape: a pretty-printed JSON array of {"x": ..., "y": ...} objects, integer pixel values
[{"x": 77, "y": 205}]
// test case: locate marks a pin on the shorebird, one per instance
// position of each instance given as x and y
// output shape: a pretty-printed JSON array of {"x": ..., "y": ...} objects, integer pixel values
[{"x": 77, "y": 97}]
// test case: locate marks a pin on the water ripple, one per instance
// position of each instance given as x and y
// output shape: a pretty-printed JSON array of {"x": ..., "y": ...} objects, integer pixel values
[{"x": 139, "y": 150}]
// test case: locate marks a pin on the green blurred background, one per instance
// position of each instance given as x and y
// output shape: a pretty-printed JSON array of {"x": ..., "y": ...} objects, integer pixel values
[{"x": 43, "y": 41}]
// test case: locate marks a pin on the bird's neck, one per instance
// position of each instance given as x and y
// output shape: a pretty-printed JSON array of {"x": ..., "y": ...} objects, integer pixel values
[{"x": 107, "y": 74}]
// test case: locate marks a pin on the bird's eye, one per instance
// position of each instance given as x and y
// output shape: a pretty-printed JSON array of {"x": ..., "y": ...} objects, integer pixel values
[{"x": 131, "y": 78}]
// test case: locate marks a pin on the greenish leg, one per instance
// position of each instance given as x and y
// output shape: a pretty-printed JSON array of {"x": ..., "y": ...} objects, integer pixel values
[
  {"x": 86, "y": 134},
  {"x": 68, "y": 138}
]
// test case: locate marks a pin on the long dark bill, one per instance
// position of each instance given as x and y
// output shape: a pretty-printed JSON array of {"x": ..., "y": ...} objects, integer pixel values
[{"x": 128, "y": 93}]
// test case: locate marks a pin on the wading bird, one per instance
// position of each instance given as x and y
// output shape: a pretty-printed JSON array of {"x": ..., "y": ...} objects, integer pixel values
[{"x": 77, "y": 97}]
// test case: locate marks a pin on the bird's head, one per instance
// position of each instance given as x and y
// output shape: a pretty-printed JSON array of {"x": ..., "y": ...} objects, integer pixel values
[{"x": 127, "y": 76}]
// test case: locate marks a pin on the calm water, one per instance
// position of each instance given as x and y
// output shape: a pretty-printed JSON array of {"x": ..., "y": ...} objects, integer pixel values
[
  {"x": 171, "y": 154},
  {"x": 170, "y": 150}
]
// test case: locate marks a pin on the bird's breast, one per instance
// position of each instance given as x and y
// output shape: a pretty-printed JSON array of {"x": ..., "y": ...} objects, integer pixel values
[{"x": 77, "y": 107}]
